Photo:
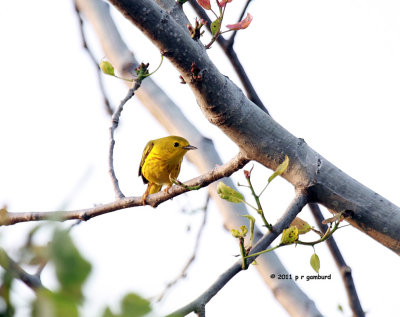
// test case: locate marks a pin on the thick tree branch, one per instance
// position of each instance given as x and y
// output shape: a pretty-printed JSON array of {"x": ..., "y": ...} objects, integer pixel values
[
  {"x": 154, "y": 200},
  {"x": 287, "y": 292},
  {"x": 199, "y": 303},
  {"x": 224, "y": 104},
  {"x": 227, "y": 46}
]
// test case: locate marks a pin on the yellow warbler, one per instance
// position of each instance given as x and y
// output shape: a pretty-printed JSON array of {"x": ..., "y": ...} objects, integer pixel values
[{"x": 161, "y": 159}]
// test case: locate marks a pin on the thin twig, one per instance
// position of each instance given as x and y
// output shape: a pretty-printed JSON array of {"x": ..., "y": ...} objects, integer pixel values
[
  {"x": 198, "y": 304},
  {"x": 153, "y": 200},
  {"x": 107, "y": 103},
  {"x": 344, "y": 269},
  {"x": 114, "y": 125},
  {"x": 32, "y": 281},
  {"x": 231, "y": 54},
  {"x": 194, "y": 253}
]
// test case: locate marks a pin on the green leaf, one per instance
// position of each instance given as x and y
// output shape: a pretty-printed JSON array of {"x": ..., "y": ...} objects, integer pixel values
[
  {"x": 252, "y": 221},
  {"x": 215, "y": 26},
  {"x": 6, "y": 281},
  {"x": 134, "y": 306},
  {"x": 235, "y": 233},
  {"x": 314, "y": 261},
  {"x": 301, "y": 225},
  {"x": 58, "y": 304},
  {"x": 290, "y": 235},
  {"x": 280, "y": 169},
  {"x": 243, "y": 229},
  {"x": 229, "y": 194},
  {"x": 71, "y": 268},
  {"x": 239, "y": 234},
  {"x": 108, "y": 313},
  {"x": 107, "y": 68}
]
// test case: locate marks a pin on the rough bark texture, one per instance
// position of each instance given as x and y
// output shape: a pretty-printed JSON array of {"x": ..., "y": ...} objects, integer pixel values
[{"x": 259, "y": 137}]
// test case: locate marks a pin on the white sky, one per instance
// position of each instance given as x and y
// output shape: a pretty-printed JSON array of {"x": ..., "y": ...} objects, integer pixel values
[{"x": 328, "y": 71}]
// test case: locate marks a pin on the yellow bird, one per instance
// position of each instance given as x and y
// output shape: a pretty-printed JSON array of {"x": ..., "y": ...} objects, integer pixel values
[{"x": 161, "y": 159}]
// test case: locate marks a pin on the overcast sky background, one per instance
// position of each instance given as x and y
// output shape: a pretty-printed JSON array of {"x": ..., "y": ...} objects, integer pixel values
[{"x": 329, "y": 72}]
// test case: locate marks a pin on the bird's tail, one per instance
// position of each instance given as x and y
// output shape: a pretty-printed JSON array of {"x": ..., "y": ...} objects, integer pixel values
[{"x": 155, "y": 188}]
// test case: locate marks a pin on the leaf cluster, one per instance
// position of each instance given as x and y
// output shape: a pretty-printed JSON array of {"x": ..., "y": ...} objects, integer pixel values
[
  {"x": 71, "y": 273},
  {"x": 289, "y": 235}
]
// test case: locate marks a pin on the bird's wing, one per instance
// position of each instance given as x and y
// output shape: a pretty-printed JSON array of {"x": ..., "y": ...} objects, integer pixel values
[{"x": 145, "y": 154}]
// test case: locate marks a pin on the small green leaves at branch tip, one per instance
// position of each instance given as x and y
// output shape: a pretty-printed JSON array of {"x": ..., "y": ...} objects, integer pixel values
[
  {"x": 252, "y": 222},
  {"x": 239, "y": 233},
  {"x": 142, "y": 71},
  {"x": 107, "y": 68},
  {"x": 229, "y": 194},
  {"x": 314, "y": 261},
  {"x": 215, "y": 26},
  {"x": 280, "y": 169},
  {"x": 290, "y": 235}
]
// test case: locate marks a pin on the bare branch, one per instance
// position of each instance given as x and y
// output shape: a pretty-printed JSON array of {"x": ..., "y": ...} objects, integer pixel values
[
  {"x": 198, "y": 304},
  {"x": 344, "y": 269},
  {"x": 224, "y": 104},
  {"x": 94, "y": 61},
  {"x": 154, "y": 200},
  {"x": 169, "y": 115},
  {"x": 183, "y": 273},
  {"x": 32, "y": 281},
  {"x": 114, "y": 125}
]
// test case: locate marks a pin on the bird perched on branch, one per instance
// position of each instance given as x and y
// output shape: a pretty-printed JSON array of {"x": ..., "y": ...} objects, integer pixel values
[{"x": 161, "y": 161}]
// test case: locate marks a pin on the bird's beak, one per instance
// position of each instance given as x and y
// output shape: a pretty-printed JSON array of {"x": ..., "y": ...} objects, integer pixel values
[{"x": 189, "y": 147}]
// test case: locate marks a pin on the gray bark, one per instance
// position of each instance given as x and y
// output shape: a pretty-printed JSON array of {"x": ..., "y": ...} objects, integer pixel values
[{"x": 259, "y": 137}]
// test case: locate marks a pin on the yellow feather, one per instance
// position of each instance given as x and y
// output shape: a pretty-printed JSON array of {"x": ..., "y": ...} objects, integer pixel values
[{"x": 160, "y": 159}]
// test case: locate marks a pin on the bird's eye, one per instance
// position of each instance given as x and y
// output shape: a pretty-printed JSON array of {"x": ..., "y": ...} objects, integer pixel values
[{"x": 176, "y": 144}]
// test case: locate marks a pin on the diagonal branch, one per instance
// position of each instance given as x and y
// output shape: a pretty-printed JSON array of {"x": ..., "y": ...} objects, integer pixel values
[
  {"x": 294, "y": 208},
  {"x": 227, "y": 46},
  {"x": 94, "y": 61},
  {"x": 159, "y": 104},
  {"x": 225, "y": 105},
  {"x": 32, "y": 281},
  {"x": 231, "y": 39},
  {"x": 191, "y": 259},
  {"x": 114, "y": 125},
  {"x": 344, "y": 269},
  {"x": 154, "y": 200}
]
